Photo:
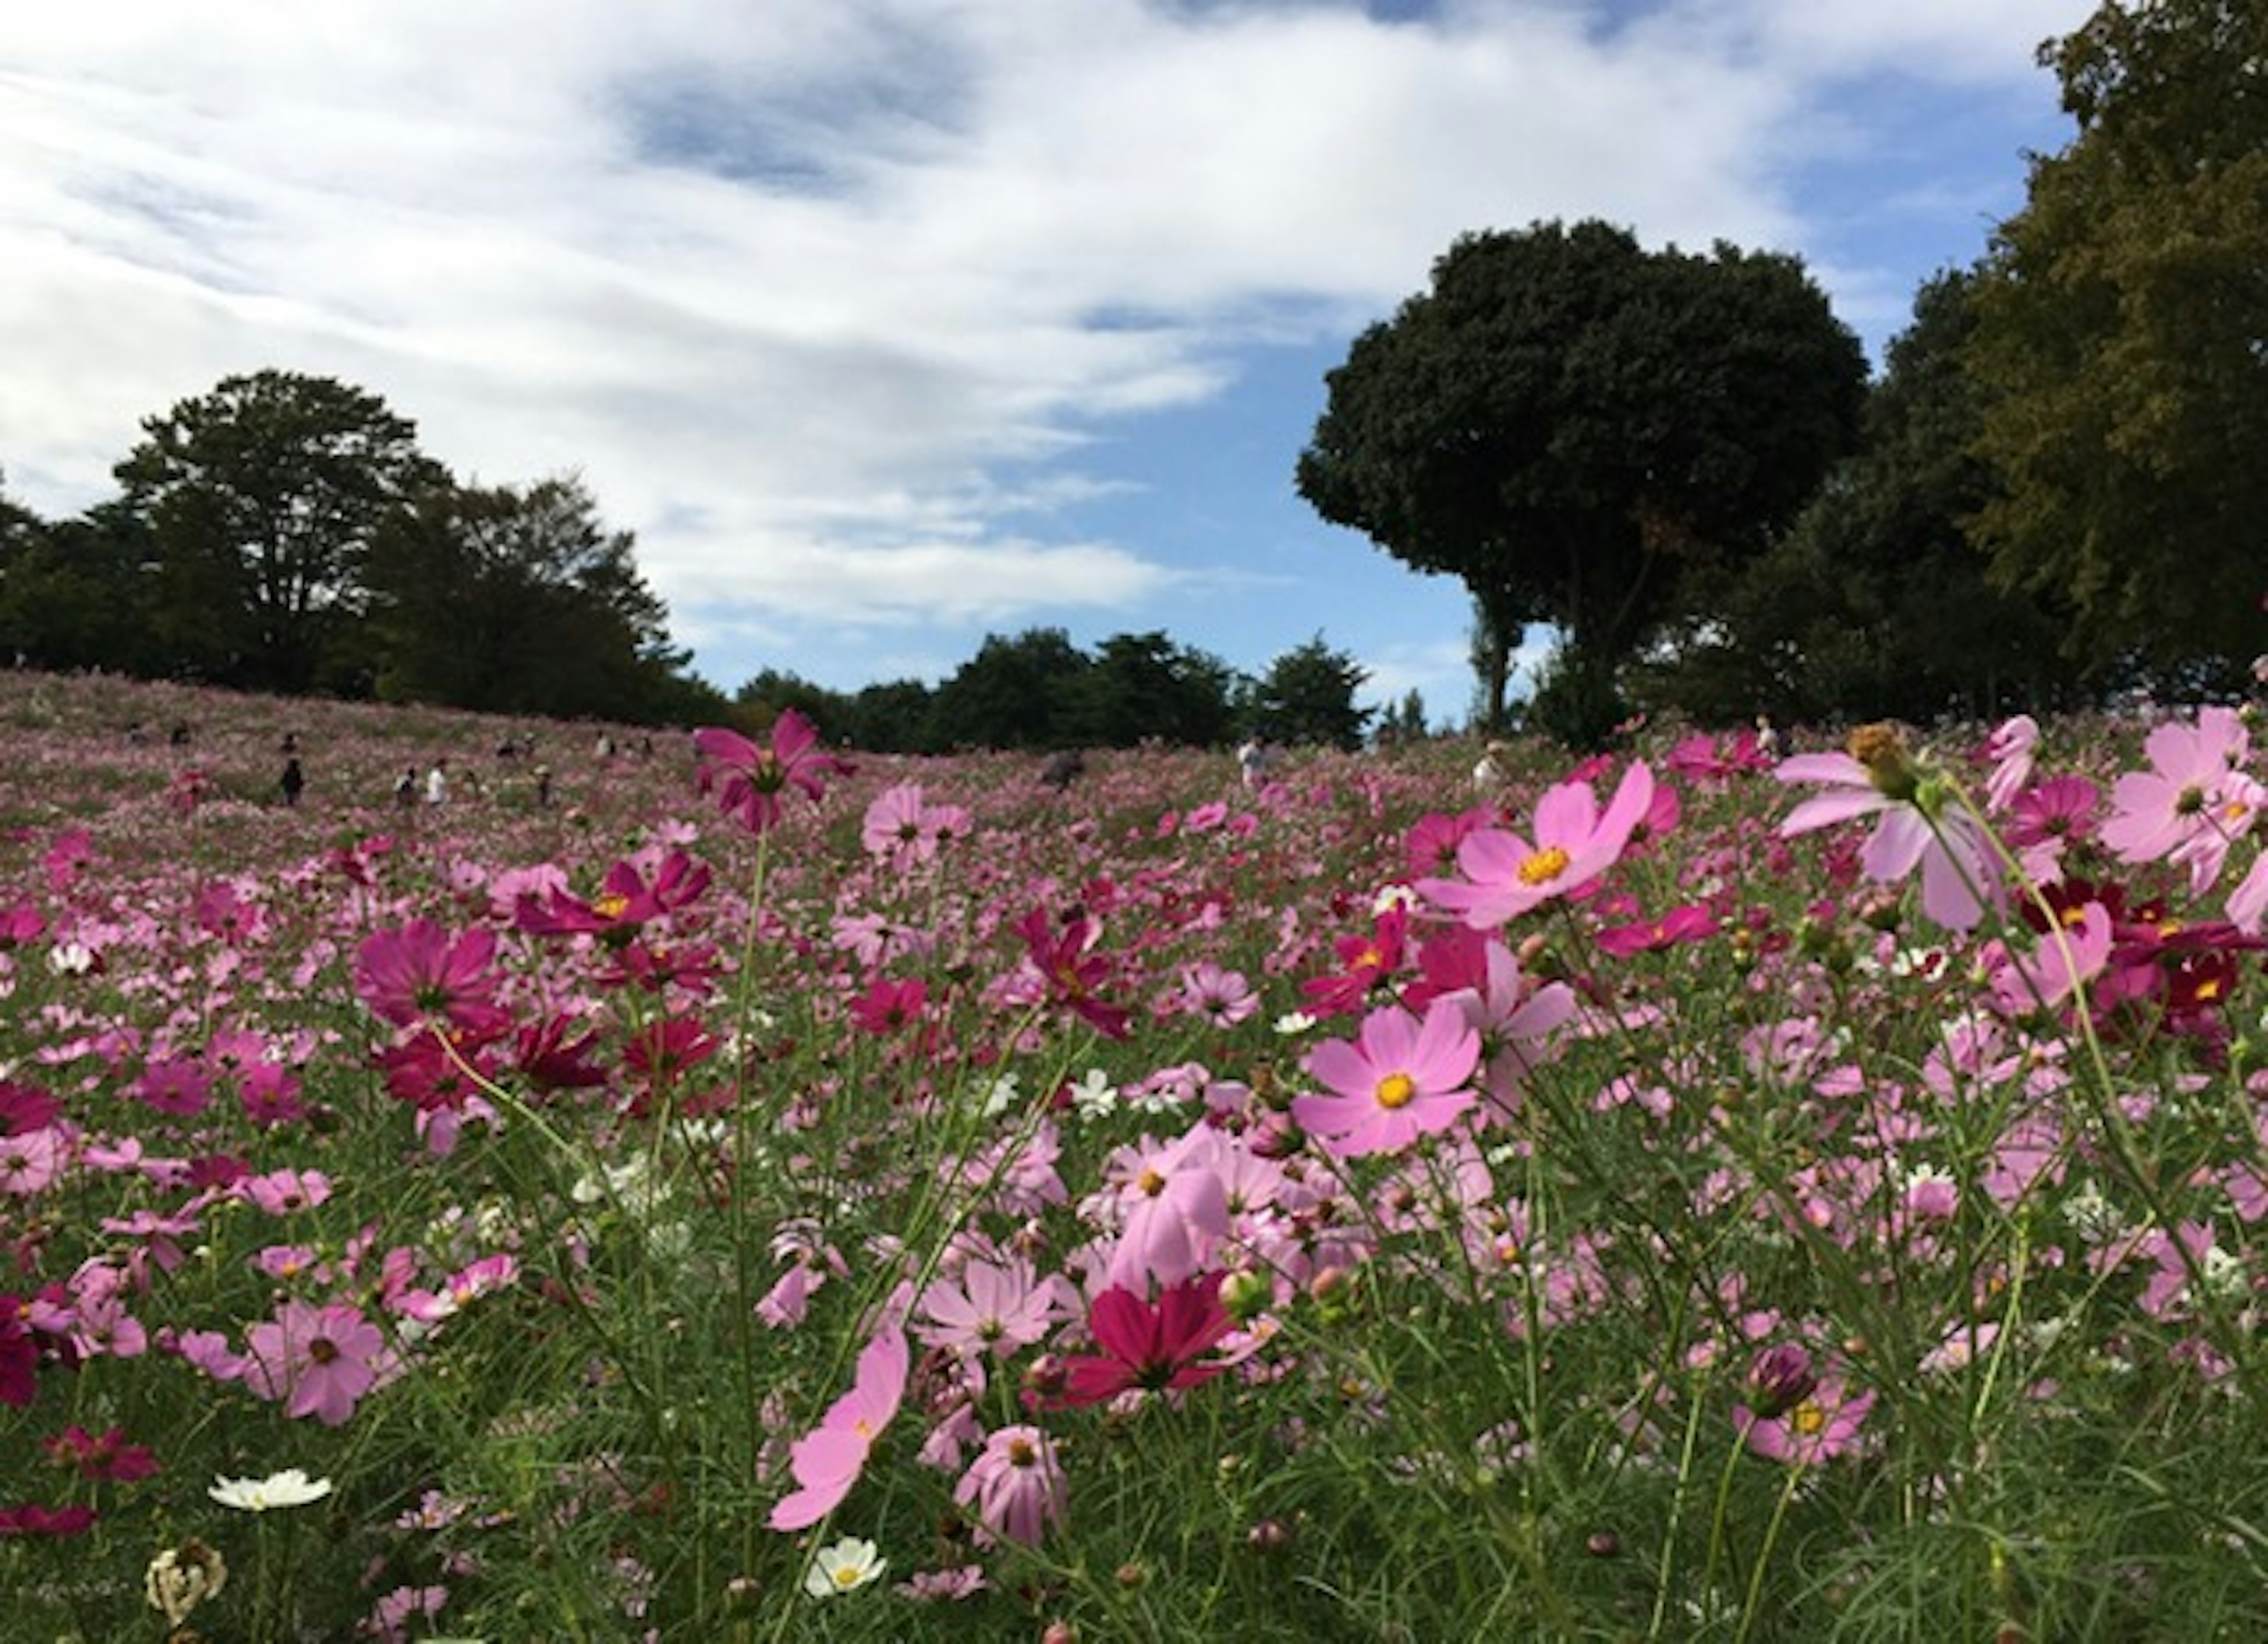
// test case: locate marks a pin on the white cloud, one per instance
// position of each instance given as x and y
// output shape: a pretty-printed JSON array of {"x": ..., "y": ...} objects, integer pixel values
[{"x": 826, "y": 298}]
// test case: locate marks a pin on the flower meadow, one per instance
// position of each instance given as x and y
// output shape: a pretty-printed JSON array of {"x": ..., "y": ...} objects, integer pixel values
[{"x": 735, "y": 1188}]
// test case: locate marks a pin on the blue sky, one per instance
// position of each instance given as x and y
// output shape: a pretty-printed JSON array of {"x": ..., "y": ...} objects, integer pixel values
[{"x": 886, "y": 324}]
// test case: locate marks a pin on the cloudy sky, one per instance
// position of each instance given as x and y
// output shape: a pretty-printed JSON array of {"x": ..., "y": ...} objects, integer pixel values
[{"x": 886, "y": 324}]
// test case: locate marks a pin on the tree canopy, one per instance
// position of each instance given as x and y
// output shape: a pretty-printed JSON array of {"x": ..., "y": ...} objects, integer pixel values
[
  {"x": 2123, "y": 332},
  {"x": 262, "y": 497},
  {"x": 1571, "y": 424}
]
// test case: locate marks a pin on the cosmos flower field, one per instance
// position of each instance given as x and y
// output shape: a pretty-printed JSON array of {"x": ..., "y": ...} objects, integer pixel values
[{"x": 751, "y": 1189}]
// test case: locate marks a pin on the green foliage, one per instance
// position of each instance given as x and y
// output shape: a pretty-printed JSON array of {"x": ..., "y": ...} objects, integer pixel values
[
  {"x": 1307, "y": 697},
  {"x": 516, "y": 600},
  {"x": 1875, "y": 602},
  {"x": 262, "y": 497},
  {"x": 1573, "y": 426},
  {"x": 2120, "y": 330}
]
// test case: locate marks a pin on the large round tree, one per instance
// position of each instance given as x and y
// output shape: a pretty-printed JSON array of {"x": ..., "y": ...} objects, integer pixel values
[{"x": 1569, "y": 423}]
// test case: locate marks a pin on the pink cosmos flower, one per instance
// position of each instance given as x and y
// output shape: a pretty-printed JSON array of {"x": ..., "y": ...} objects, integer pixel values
[
  {"x": 320, "y": 1360},
  {"x": 1920, "y": 826},
  {"x": 1174, "y": 1206},
  {"x": 1015, "y": 1487},
  {"x": 30, "y": 1160},
  {"x": 1822, "y": 1424},
  {"x": 900, "y": 825},
  {"x": 1223, "y": 997},
  {"x": 1505, "y": 875},
  {"x": 2010, "y": 749},
  {"x": 1399, "y": 1080},
  {"x": 2068, "y": 958},
  {"x": 827, "y": 1460},
  {"x": 750, "y": 778},
  {"x": 999, "y": 1308},
  {"x": 1517, "y": 1017},
  {"x": 627, "y": 899},
  {"x": 416, "y": 974},
  {"x": 2153, "y": 813}
]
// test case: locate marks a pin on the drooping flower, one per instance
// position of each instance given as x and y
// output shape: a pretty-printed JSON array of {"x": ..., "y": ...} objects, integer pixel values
[
  {"x": 826, "y": 1460},
  {"x": 1823, "y": 1423},
  {"x": 1401, "y": 1079},
  {"x": 1015, "y": 1486},
  {"x": 1504, "y": 875},
  {"x": 751, "y": 780},
  {"x": 1155, "y": 1348},
  {"x": 292, "y": 1487},
  {"x": 1920, "y": 826}
]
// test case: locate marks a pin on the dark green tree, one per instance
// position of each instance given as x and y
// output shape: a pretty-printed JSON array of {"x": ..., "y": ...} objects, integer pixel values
[
  {"x": 1306, "y": 697},
  {"x": 2120, "y": 330},
  {"x": 1876, "y": 604},
  {"x": 1025, "y": 691},
  {"x": 80, "y": 593},
  {"x": 262, "y": 499},
  {"x": 518, "y": 599},
  {"x": 1143, "y": 686},
  {"x": 1572, "y": 425}
]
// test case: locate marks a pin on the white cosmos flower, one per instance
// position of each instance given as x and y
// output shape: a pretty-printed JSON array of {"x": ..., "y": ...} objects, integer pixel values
[
  {"x": 292, "y": 1487},
  {"x": 849, "y": 1563}
]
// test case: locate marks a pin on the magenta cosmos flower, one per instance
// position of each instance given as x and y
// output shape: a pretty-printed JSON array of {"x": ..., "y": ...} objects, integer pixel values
[
  {"x": 1401, "y": 1079},
  {"x": 1505, "y": 875},
  {"x": 1152, "y": 1347},
  {"x": 320, "y": 1360},
  {"x": 827, "y": 1460},
  {"x": 751, "y": 780},
  {"x": 1921, "y": 825},
  {"x": 416, "y": 974}
]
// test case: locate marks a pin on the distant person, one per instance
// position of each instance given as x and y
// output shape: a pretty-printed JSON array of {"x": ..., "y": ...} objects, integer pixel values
[
  {"x": 437, "y": 783},
  {"x": 405, "y": 787},
  {"x": 1489, "y": 774},
  {"x": 1063, "y": 769},
  {"x": 543, "y": 787},
  {"x": 1767, "y": 736},
  {"x": 1252, "y": 761},
  {"x": 178, "y": 736},
  {"x": 294, "y": 781}
]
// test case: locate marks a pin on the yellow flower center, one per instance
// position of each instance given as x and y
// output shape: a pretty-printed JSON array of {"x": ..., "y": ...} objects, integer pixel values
[
  {"x": 611, "y": 905},
  {"x": 1807, "y": 1419},
  {"x": 1395, "y": 1090},
  {"x": 1546, "y": 864},
  {"x": 848, "y": 1576},
  {"x": 1150, "y": 1183}
]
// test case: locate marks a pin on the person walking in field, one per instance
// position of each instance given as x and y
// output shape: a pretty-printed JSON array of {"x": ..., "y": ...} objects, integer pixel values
[
  {"x": 294, "y": 781},
  {"x": 437, "y": 783},
  {"x": 1489, "y": 774},
  {"x": 405, "y": 788}
]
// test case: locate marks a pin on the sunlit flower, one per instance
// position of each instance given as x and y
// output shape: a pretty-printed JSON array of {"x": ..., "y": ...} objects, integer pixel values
[
  {"x": 1399, "y": 1080},
  {"x": 292, "y": 1487},
  {"x": 847, "y": 1566},
  {"x": 1504, "y": 875}
]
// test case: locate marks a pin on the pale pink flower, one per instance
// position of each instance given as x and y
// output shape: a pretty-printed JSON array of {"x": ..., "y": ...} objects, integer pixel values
[
  {"x": 2068, "y": 958},
  {"x": 1920, "y": 826},
  {"x": 1015, "y": 1488},
  {"x": 320, "y": 1360},
  {"x": 1505, "y": 875},
  {"x": 998, "y": 1307},
  {"x": 2154, "y": 812},
  {"x": 827, "y": 1460},
  {"x": 2010, "y": 749},
  {"x": 1174, "y": 1206}
]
